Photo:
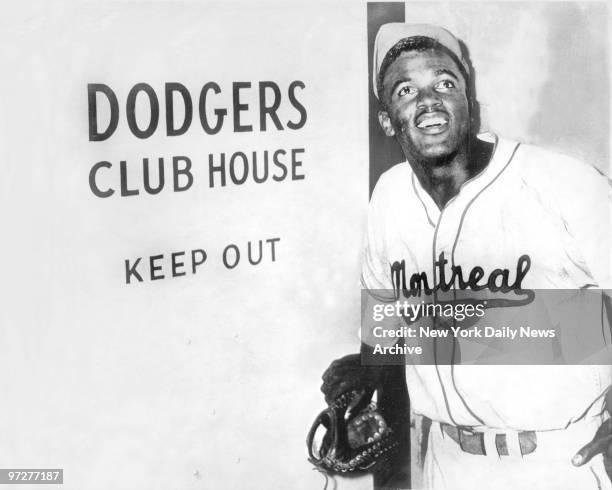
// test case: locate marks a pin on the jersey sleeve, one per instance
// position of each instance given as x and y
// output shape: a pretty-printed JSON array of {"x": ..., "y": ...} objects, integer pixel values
[
  {"x": 586, "y": 210},
  {"x": 375, "y": 271}
]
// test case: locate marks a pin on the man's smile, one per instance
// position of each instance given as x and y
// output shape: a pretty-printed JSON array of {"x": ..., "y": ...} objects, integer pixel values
[{"x": 432, "y": 122}]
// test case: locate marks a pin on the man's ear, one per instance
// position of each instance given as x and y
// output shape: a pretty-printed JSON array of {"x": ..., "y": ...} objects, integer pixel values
[{"x": 385, "y": 123}]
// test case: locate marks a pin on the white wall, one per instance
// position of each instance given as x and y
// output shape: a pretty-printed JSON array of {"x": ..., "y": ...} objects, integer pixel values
[{"x": 197, "y": 382}]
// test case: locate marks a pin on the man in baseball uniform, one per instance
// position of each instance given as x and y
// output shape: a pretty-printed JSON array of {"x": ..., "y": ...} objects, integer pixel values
[{"x": 508, "y": 216}]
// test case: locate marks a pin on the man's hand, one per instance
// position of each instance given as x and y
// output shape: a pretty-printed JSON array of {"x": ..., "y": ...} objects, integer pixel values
[
  {"x": 346, "y": 374},
  {"x": 601, "y": 443}
]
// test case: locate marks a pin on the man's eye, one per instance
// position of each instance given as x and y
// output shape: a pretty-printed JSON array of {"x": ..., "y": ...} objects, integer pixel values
[
  {"x": 406, "y": 90},
  {"x": 445, "y": 85}
]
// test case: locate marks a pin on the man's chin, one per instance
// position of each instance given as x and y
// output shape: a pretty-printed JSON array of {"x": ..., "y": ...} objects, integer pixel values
[
  {"x": 436, "y": 153},
  {"x": 435, "y": 149}
]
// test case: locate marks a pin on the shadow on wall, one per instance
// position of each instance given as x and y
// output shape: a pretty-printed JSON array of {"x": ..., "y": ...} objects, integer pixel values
[{"x": 575, "y": 129}]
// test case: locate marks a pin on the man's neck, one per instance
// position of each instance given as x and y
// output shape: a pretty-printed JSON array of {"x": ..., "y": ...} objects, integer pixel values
[{"x": 442, "y": 179}]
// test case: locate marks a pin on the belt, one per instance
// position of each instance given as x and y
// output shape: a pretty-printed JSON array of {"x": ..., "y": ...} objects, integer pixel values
[{"x": 473, "y": 442}]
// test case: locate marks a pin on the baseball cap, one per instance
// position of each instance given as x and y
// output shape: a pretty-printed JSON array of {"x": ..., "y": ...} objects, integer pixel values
[{"x": 390, "y": 34}]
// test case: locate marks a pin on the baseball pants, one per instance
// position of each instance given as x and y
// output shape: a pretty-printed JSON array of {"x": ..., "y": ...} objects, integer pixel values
[{"x": 448, "y": 467}]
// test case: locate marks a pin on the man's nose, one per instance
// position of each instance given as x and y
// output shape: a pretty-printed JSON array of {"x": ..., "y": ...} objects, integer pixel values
[{"x": 428, "y": 99}]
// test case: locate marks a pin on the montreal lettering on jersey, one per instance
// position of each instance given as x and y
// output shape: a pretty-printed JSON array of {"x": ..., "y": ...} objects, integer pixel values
[{"x": 497, "y": 280}]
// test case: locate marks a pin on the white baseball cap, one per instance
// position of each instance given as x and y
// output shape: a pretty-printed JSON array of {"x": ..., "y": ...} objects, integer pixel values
[{"x": 390, "y": 34}]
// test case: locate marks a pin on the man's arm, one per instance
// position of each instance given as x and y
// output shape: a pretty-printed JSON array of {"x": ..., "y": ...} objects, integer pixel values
[{"x": 601, "y": 443}]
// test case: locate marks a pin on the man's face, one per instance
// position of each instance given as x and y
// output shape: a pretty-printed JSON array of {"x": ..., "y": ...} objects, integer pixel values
[{"x": 426, "y": 104}]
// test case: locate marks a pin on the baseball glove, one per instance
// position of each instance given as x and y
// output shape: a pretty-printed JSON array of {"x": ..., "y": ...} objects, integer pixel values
[{"x": 357, "y": 437}]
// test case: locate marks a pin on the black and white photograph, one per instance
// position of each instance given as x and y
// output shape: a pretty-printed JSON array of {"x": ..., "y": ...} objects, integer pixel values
[{"x": 335, "y": 245}]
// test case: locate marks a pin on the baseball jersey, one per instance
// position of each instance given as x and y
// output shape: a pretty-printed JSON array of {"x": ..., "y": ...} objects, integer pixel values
[{"x": 528, "y": 205}]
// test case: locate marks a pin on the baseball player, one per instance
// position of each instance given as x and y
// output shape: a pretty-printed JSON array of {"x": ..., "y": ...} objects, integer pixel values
[{"x": 488, "y": 205}]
